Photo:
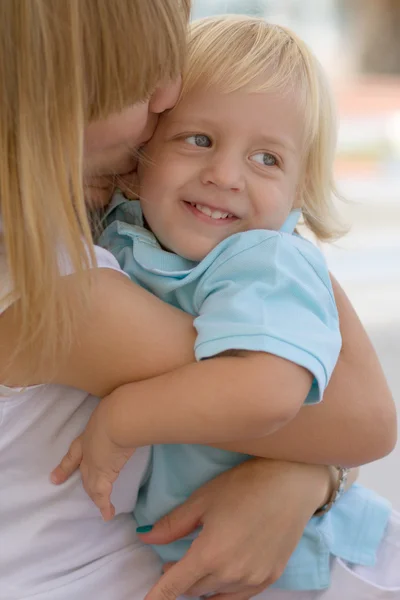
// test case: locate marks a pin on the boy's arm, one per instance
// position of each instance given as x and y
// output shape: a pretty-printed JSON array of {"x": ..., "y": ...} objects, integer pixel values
[
  {"x": 355, "y": 424},
  {"x": 129, "y": 335},
  {"x": 221, "y": 399},
  {"x": 282, "y": 314}
]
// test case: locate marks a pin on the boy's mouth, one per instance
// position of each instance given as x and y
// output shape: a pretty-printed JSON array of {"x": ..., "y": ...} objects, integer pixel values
[{"x": 211, "y": 214}]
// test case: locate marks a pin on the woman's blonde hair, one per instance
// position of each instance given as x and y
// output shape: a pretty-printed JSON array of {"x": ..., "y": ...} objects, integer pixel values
[
  {"x": 64, "y": 63},
  {"x": 242, "y": 53}
]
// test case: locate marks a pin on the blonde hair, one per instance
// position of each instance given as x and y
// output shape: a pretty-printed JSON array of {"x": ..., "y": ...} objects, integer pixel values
[
  {"x": 235, "y": 53},
  {"x": 64, "y": 63}
]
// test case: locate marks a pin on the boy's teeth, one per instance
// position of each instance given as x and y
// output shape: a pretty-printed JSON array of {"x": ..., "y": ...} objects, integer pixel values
[{"x": 214, "y": 214}]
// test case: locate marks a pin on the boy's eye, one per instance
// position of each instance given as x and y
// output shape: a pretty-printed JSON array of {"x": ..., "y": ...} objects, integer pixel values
[
  {"x": 265, "y": 158},
  {"x": 201, "y": 140}
]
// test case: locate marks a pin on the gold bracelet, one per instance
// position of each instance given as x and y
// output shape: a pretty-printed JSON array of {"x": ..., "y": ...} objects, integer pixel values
[{"x": 337, "y": 491}]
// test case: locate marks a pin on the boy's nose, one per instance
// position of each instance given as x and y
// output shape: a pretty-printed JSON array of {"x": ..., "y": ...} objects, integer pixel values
[{"x": 224, "y": 173}]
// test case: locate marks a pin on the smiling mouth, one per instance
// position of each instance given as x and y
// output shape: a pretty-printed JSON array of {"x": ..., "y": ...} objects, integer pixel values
[{"x": 214, "y": 214}]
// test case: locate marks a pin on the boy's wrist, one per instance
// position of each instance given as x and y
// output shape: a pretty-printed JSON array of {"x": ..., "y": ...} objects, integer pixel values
[
  {"x": 113, "y": 418},
  {"x": 126, "y": 411}
]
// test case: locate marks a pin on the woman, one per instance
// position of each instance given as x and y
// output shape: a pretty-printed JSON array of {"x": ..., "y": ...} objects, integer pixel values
[{"x": 81, "y": 92}]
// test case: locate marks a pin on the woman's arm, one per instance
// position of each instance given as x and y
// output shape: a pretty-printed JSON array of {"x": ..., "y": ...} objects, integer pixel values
[
  {"x": 126, "y": 335},
  {"x": 243, "y": 546},
  {"x": 130, "y": 335},
  {"x": 355, "y": 424},
  {"x": 218, "y": 400}
]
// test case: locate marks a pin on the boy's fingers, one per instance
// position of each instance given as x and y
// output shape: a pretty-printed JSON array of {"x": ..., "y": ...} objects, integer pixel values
[
  {"x": 99, "y": 490},
  {"x": 69, "y": 464},
  {"x": 108, "y": 512}
]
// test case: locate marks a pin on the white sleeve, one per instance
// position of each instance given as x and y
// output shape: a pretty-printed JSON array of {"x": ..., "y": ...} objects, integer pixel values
[
  {"x": 6, "y": 298},
  {"x": 105, "y": 260}
]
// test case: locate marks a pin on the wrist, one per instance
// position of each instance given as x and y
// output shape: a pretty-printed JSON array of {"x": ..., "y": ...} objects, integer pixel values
[
  {"x": 114, "y": 418},
  {"x": 320, "y": 479},
  {"x": 339, "y": 476},
  {"x": 316, "y": 481}
]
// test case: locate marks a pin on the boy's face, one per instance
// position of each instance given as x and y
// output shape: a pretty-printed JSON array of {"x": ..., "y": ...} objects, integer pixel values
[{"x": 219, "y": 164}]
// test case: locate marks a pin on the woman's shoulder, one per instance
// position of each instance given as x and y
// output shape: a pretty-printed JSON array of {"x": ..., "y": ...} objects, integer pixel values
[
  {"x": 15, "y": 371},
  {"x": 104, "y": 259}
]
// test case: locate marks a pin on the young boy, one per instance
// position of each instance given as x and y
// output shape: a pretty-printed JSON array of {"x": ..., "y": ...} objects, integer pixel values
[{"x": 248, "y": 148}]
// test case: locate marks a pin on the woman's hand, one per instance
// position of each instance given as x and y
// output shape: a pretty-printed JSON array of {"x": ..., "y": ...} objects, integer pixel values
[
  {"x": 252, "y": 516},
  {"x": 100, "y": 460}
]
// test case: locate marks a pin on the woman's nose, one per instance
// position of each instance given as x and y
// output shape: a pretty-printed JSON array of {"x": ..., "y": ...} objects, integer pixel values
[{"x": 165, "y": 96}]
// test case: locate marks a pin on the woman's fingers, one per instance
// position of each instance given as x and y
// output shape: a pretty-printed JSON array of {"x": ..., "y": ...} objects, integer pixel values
[
  {"x": 175, "y": 525},
  {"x": 244, "y": 595},
  {"x": 176, "y": 580},
  {"x": 69, "y": 464}
]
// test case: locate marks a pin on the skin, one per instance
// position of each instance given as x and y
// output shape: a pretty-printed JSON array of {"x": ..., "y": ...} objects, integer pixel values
[
  {"x": 226, "y": 170},
  {"x": 205, "y": 565},
  {"x": 218, "y": 164},
  {"x": 238, "y": 154},
  {"x": 93, "y": 364},
  {"x": 110, "y": 146}
]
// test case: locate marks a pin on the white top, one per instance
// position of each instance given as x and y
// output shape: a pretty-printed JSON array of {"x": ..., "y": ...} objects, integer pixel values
[{"x": 53, "y": 543}]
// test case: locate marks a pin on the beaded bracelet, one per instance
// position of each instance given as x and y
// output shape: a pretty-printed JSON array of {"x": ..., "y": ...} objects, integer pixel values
[{"x": 337, "y": 492}]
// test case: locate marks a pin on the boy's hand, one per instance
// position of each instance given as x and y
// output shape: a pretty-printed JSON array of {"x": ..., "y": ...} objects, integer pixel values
[{"x": 100, "y": 460}]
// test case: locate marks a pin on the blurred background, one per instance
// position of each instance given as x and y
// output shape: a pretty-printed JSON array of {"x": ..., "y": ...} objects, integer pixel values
[{"x": 358, "y": 42}]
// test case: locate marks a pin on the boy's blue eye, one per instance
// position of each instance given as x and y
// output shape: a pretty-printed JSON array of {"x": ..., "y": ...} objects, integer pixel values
[
  {"x": 201, "y": 140},
  {"x": 265, "y": 158}
]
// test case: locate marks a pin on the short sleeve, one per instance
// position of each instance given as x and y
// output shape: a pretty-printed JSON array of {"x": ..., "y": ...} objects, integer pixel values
[
  {"x": 104, "y": 260},
  {"x": 6, "y": 296},
  {"x": 270, "y": 292}
]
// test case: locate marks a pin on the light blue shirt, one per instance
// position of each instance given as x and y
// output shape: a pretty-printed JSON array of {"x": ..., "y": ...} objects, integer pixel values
[{"x": 259, "y": 291}]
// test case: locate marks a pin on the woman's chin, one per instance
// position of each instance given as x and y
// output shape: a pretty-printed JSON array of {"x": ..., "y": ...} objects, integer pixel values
[
  {"x": 98, "y": 196},
  {"x": 99, "y": 190},
  {"x": 129, "y": 185}
]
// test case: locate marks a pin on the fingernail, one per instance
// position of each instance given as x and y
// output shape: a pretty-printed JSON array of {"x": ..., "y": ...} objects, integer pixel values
[{"x": 144, "y": 529}]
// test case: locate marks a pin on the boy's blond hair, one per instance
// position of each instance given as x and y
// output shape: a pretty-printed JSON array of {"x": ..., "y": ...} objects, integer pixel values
[
  {"x": 242, "y": 53},
  {"x": 64, "y": 63}
]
